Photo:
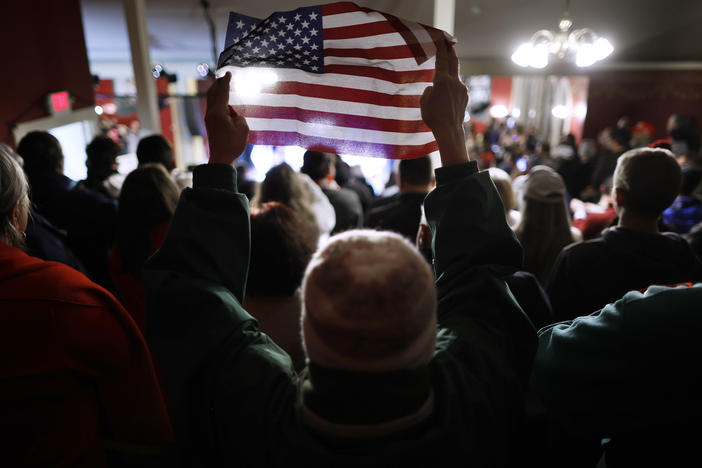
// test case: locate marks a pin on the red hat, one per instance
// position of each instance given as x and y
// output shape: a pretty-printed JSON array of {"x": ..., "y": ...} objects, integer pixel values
[{"x": 643, "y": 127}]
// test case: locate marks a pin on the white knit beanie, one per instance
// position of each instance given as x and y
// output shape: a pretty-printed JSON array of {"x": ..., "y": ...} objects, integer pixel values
[{"x": 369, "y": 304}]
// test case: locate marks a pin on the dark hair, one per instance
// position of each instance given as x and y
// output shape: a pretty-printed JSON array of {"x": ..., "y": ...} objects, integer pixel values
[
  {"x": 416, "y": 171},
  {"x": 41, "y": 152},
  {"x": 650, "y": 178},
  {"x": 530, "y": 143},
  {"x": 620, "y": 135},
  {"x": 155, "y": 149},
  {"x": 691, "y": 177},
  {"x": 148, "y": 198},
  {"x": 102, "y": 153},
  {"x": 280, "y": 251},
  {"x": 687, "y": 130},
  {"x": 316, "y": 164}
]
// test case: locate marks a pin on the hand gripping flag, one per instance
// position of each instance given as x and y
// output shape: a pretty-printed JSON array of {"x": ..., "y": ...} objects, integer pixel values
[{"x": 335, "y": 78}]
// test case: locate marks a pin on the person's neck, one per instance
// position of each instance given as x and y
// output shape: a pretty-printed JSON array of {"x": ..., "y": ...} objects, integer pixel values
[
  {"x": 414, "y": 189},
  {"x": 638, "y": 223}
]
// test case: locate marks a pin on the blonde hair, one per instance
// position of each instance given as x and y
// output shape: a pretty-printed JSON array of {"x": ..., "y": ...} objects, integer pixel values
[{"x": 14, "y": 190}]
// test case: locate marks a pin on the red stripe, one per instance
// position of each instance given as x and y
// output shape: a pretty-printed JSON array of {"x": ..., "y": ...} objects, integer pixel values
[
  {"x": 332, "y": 118},
  {"x": 342, "y": 7},
  {"x": 409, "y": 37},
  {"x": 377, "y": 53},
  {"x": 413, "y": 76},
  {"x": 332, "y": 145},
  {"x": 338, "y": 93},
  {"x": 359, "y": 30}
]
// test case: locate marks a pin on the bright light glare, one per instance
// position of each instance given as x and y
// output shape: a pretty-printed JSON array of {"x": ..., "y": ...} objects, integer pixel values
[
  {"x": 99, "y": 110},
  {"x": 251, "y": 81},
  {"x": 586, "y": 55},
  {"x": 581, "y": 111},
  {"x": 560, "y": 111},
  {"x": 522, "y": 56},
  {"x": 603, "y": 48},
  {"x": 539, "y": 56},
  {"x": 516, "y": 112},
  {"x": 498, "y": 111}
]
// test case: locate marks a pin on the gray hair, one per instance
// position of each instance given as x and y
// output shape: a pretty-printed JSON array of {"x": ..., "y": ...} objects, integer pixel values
[{"x": 14, "y": 189}]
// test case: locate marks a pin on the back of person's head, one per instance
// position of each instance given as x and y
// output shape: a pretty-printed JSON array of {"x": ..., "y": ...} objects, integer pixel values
[
  {"x": 691, "y": 178},
  {"x": 316, "y": 164},
  {"x": 621, "y": 136},
  {"x": 148, "y": 198},
  {"x": 14, "y": 198},
  {"x": 102, "y": 155},
  {"x": 649, "y": 179},
  {"x": 503, "y": 182},
  {"x": 587, "y": 149},
  {"x": 155, "y": 149},
  {"x": 369, "y": 304},
  {"x": 685, "y": 135},
  {"x": 544, "y": 228},
  {"x": 530, "y": 144},
  {"x": 416, "y": 172},
  {"x": 41, "y": 152},
  {"x": 280, "y": 251}
]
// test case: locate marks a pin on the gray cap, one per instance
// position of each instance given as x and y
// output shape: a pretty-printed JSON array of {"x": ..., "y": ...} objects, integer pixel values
[{"x": 543, "y": 184}]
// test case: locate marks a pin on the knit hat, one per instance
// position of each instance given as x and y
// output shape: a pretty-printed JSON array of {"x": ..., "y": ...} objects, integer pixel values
[
  {"x": 543, "y": 184},
  {"x": 369, "y": 304}
]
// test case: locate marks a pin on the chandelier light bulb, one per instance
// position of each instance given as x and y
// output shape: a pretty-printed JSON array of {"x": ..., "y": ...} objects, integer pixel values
[
  {"x": 560, "y": 111},
  {"x": 583, "y": 46}
]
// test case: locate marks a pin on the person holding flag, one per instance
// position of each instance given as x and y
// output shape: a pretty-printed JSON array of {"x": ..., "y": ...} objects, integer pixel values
[{"x": 400, "y": 372}]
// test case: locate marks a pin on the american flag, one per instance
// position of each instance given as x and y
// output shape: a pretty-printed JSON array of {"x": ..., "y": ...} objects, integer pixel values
[{"x": 335, "y": 78}]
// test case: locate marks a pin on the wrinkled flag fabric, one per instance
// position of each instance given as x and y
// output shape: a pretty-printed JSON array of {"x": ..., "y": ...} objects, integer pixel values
[{"x": 336, "y": 78}]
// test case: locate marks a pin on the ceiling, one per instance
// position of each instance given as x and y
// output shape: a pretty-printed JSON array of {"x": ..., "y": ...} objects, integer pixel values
[{"x": 487, "y": 30}]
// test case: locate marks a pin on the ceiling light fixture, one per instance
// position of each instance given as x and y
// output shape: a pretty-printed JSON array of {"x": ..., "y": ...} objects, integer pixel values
[{"x": 583, "y": 46}]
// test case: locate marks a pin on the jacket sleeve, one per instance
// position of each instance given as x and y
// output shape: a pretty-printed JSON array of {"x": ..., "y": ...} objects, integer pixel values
[{"x": 473, "y": 248}]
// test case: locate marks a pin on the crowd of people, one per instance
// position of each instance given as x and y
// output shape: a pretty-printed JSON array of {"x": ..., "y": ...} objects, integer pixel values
[{"x": 490, "y": 312}]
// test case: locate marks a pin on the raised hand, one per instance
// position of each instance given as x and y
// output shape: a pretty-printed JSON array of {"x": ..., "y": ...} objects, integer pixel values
[
  {"x": 227, "y": 131},
  {"x": 444, "y": 104}
]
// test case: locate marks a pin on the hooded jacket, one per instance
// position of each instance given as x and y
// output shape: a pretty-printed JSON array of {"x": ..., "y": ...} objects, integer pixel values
[{"x": 591, "y": 274}]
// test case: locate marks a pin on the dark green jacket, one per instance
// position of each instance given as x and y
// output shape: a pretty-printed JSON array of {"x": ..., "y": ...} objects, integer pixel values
[{"x": 232, "y": 392}]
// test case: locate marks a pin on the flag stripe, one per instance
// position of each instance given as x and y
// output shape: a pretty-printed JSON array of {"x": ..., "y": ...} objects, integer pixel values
[
  {"x": 340, "y": 120},
  {"x": 399, "y": 65},
  {"x": 344, "y": 94},
  {"x": 410, "y": 76},
  {"x": 343, "y": 7},
  {"x": 335, "y": 79},
  {"x": 376, "y": 53},
  {"x": 367, "y": 30},
  {"x": 325, "y": 105},
  {"x": 331, "y": 145},
  {"x": 346, "y": 19},
  {"x": 341, "y": 133},
  {"x": 380, "y": 40}
]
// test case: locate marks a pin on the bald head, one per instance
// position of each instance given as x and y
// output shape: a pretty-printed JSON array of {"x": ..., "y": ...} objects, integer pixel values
[{"x": 369, "y": 304}]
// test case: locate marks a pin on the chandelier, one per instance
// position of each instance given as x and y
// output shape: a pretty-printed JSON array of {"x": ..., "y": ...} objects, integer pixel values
[{"x": 583, "y": 46}]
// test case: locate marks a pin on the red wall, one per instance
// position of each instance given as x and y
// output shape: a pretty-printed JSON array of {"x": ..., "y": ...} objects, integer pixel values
[
  {"x": 642, "y": 95},
  {"x": 43, "y": 50}
]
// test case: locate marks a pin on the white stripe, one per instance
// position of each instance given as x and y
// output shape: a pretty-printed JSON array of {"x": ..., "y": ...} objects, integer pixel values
[
  {"x": 339, "y": 133},
  {"x": 336, "y": 79},
  {"x": 350, "y": 19},
  {"x": 327, "y": 105},
  {"x": 366, "y": 42},
  {"x": 408, "y": 64},
  {"x": 423, "y": 37}
]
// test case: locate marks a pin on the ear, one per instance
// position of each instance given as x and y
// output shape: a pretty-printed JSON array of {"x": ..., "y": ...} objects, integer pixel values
[
  {"x": 18, "y": 217},
  {"x": 619, "y": 197}
]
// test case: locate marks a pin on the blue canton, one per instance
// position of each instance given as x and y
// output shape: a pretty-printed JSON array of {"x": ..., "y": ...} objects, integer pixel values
[{"x": 291, "y": 39}]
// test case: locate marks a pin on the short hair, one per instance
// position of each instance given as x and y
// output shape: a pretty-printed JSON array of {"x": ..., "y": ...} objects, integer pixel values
[
  {"x": 503, "y": 182},
  {"x": 102, "y": 153},
  {"x": 14, "y": 189},
  {"x": 621, "y": 135},
  {"x": 280, "y": 251},
  {"x": 650, "y": 178},
  {"x": 416, "y": 171},
  {"x": 155, "y": 149},
  {"x": 316, "y": 164},
  {"x": 41, "y": 152},
  {"x": 369, "y": 304}
]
